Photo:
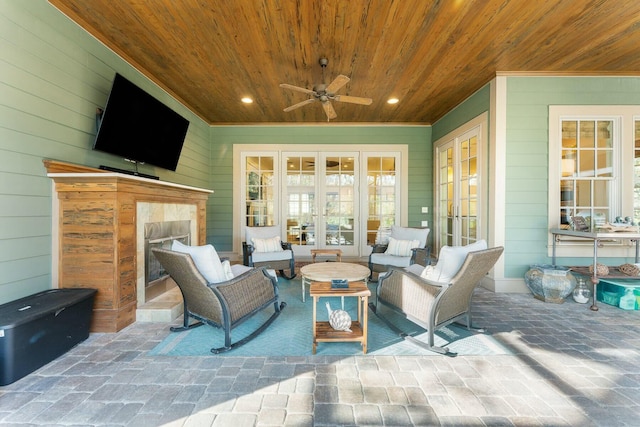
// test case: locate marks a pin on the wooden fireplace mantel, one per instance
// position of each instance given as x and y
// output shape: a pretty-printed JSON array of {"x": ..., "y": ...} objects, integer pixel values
[{"x": 96, "y": 233}]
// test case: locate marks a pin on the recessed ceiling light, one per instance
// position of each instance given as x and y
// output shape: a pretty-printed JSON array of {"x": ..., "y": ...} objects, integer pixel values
[
  {"x": 392, "y": 101},
  {"x": 247, "y": 100}
]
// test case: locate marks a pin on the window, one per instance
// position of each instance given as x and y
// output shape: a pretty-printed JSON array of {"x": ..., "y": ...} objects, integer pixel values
[
  {"x": 594, "y": 168},
  {"x": 587, "y": 171}
]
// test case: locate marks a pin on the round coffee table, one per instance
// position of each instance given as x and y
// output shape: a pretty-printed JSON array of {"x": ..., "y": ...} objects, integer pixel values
[{"x": 327, "y": 271}]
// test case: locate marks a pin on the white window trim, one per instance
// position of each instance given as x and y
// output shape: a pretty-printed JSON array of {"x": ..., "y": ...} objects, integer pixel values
[
  {"x": 480, "y": 124},
  {"x": 276, "y": 149},
  {"x": 623, "y": 117}
]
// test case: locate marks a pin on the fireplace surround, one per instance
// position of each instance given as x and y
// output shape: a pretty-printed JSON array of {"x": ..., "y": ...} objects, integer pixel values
[{"x": 98, "y": 234}]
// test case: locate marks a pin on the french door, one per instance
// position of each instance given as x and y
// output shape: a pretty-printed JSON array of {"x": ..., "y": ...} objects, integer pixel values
[
  {"x": 320, "y": 201},
  {"x": 343, "y": 198},
  {"x": 457, "y": 189}
]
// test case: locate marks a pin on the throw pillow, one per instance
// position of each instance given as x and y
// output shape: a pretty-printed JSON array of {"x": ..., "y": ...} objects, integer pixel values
[
  {"x": 450, "y": 259},
  {"x": 206, "y": 260},
  {"x": 226, "y": 267},
  {"x": 401, "y": 247},
  {"x": 271, "y": 244}
]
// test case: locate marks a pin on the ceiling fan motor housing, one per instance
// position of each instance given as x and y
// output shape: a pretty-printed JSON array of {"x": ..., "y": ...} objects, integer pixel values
[{"x": 323, "y": 95}]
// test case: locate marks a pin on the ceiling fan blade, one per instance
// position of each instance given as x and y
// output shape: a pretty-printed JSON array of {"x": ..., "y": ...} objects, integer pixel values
[
  {"x": 353, "y": 99},
  {"x": 337, "y": 83},
  {"x": 299, "y": 104},
  {"x": 297, "y": 88},
  {"x": 328, "y": 108}
]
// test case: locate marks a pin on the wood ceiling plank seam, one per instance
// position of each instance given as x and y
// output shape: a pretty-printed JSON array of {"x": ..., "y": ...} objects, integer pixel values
[
  {"x": 418, "y": 73},
  {"x": 414, "y": 50},
  {"x": 480, "y": 19},
  {"x": 598, "y": 42}
]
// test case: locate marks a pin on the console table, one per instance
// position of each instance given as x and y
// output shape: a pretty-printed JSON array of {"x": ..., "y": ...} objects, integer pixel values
[{"x": 596, "y": 237}]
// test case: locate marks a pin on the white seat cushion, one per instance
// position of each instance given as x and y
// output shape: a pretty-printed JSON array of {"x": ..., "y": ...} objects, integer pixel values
[
  {"x": 206, "y": 260},
  {"x": 239, "y": 269},
  {"x": 450, "y": 259},
  {"x": 271, "y": 256},
  {"x": 416, "y": 269},
  {"x": 386, "y": 259}
]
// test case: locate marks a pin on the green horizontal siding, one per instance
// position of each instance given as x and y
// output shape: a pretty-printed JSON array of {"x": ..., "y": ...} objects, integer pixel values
[
  {"x": 53, "y": 76},
  {"x": 528, "y": 101},
  {"x": 223, "y": 138}
]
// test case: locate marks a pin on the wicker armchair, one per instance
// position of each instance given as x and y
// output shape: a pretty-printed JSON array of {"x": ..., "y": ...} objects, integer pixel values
[
  {"x": 430, "y": 304},
  {"x": 281, "y": 259},
  {"x": 380, "y": 259},
  {"x": 222, "y": 305}
]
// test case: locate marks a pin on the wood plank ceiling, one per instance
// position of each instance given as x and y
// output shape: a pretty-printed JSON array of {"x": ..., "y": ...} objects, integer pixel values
[{"x": 431, "y": 55}]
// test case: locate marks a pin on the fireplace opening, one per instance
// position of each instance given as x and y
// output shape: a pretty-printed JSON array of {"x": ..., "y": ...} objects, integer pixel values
[{"x": 160, "y": 235}]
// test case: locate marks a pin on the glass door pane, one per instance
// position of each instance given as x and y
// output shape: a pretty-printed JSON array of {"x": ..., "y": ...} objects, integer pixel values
[
  {"x": 339, "y": 211},
  {"x": 300, "y": 193},
  {"x": 259, "y": 191},
  {"x": 457, "y": 183},
  {"x": 381, "y": 198},
  {"x": 468, "y": 190},
  {"x": 636, "y": 173},
  {"x": 321, "y": 207},
  {"x": 446, "y": 206}
]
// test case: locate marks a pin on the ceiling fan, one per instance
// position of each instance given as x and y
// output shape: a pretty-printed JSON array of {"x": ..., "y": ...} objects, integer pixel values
[{"x": 326, "y": 93}]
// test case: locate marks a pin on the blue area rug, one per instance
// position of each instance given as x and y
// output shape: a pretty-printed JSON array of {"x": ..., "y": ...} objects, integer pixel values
[{"x": 291, "y": 333}]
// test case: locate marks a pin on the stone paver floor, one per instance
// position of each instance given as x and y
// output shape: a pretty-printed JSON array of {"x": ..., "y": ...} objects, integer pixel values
[{"x": 570, "y": 367}]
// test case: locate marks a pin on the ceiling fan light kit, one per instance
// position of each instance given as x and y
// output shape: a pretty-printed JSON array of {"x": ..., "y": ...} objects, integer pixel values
[{"x": 326, "y": 93}]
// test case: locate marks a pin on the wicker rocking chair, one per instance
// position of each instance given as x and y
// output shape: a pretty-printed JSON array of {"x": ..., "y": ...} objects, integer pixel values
[
  {"x": 433, "y": 305},
  {"x": 222, "y": 305}
]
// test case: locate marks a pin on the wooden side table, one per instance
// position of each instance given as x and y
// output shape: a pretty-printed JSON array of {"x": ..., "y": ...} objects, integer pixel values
[
  {"x": 327, "y": 271},
  {"x": 323, "y": 332},
  {"x": 336, "y": 252}
]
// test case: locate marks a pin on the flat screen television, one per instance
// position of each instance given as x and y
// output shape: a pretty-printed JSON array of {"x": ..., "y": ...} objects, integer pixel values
[{"x": 138, "y": 127}]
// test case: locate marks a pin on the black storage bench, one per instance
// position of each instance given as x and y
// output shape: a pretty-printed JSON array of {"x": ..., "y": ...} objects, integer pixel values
[{"x": 36, "y": 329}]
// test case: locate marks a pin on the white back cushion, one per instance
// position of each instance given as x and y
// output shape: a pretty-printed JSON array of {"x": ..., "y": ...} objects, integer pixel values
[
  {"x": 206, "y": 260},
  {"x": 450, "y": 260},
  {"x": 271, "y": 244},
  {"x": 407, "y": 233},
  {"x": 261, "y": 233},
  {"x": 401, "y": 247}
]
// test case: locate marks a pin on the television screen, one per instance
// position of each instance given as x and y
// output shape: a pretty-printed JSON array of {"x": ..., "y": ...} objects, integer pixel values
[{"x": 140, "y": 128}]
